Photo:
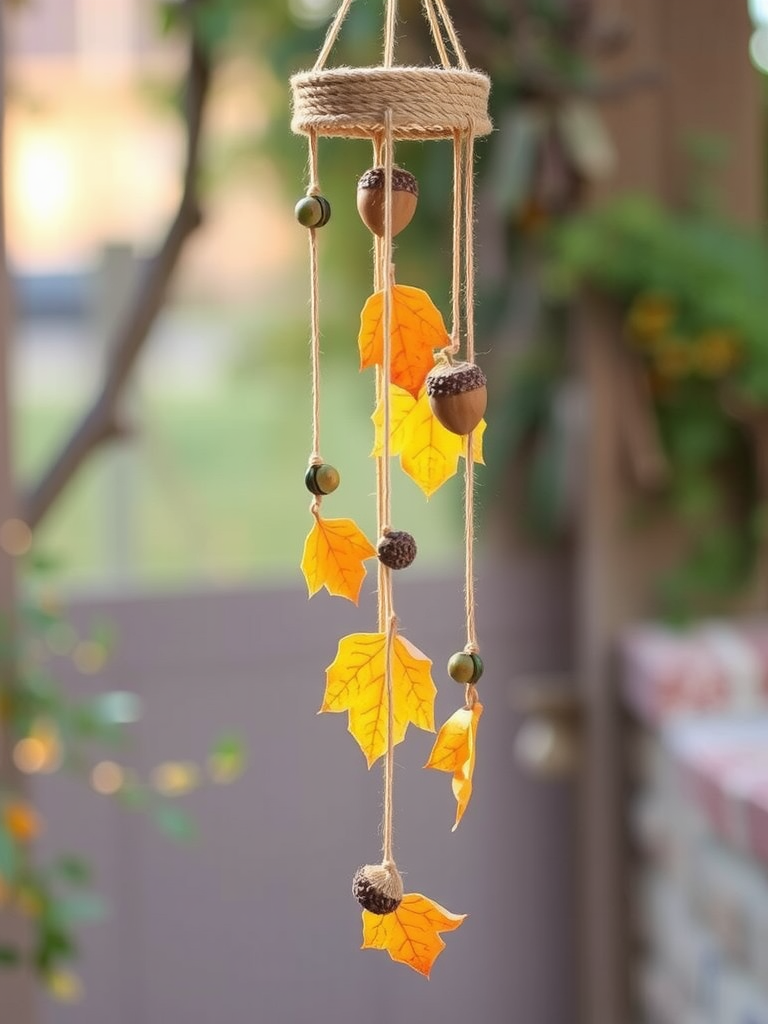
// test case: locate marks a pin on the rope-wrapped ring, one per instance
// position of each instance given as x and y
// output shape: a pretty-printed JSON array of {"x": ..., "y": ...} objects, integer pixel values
[{"x": 426, "y": 103}]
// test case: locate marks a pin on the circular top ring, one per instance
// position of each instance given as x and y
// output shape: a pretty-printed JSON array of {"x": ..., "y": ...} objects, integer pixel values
[{"x": 426, "y": 103}]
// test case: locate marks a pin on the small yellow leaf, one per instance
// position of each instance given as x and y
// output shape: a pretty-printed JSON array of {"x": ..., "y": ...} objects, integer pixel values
[
  {"x": 411, "y": 934},
  {"x": 334, "y": 553},
  {"x": 477, "y": 443},
  {"x": 417, "y": 330},
  {"x": 356, "y": 683},
  {"x": 429, "y": 453},
  {"x": 402, "y": 405},
  {"x": 454, "y": 751}
]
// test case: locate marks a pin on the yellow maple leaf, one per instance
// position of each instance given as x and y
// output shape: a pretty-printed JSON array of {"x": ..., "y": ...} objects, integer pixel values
[
  {"x": 334, "y": 553},
  {"x": 429, "y": 453},
  {"x": 454, "y": 751},
  {"x": 417, "y": 330},
  {"x": 411, "y": 934},
  {"x": 356, "y": 683}
]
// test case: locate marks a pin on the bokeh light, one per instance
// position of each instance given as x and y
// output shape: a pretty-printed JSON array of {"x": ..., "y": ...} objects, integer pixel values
[
  {"x": 15, "y": 537},
  {"x": 107, "y": 778},
  {"x": 175, "y": 778},
  {"x": 89, "y": 657},
  {"x": 758, "y": 48}
]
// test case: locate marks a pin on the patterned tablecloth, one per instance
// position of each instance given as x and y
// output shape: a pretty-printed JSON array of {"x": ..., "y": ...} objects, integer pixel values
[{"x": 699, "y": 816}]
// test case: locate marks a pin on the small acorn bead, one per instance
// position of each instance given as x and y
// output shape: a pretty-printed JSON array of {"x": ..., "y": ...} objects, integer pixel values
[
  {"x": 458, "y": 395},
  {"x": 465, "y": 668},
  {"x": 322, "y": 479},
  {"x": 396, "y": 550},
  {"x": 377, "y": 888},
  {"x": 371, "y": 199},
  {"x": 313, "y": 211}
]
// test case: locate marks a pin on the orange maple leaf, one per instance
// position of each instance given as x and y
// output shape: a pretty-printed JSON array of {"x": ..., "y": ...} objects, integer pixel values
[
  {"x": 356, "y": 683},
  {"x": 454, "y": 751},
  {"x": 417, "y": 330},
  {"x": 334, "y": 553},
  {"x": 411, "y": 934},
  {"x": 429, "y": 453}
]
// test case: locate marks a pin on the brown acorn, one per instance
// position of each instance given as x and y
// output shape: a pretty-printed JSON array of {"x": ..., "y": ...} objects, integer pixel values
[
  {"x": 378, "y": 888},
  {"x": 458, "y": 395},
  {"x": 396, "y": 550},
  {"x": 370, "y": 199}
]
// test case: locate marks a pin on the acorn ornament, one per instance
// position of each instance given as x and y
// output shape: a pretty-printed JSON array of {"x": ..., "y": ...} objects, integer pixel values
[
  {"x": 378, "y": 888},
  {"x": 458, "y": 395},
  {"x": 371, "y": 199},
  {"x": 396, "y": 549}
]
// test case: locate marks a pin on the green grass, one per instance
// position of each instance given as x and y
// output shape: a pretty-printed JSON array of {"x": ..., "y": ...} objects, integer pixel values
[{"x": 212, "y": 488}]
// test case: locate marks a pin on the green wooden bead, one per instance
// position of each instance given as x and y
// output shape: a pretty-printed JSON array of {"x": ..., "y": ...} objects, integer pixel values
[
  {"x": 313, "y": 211},
  {"x": 322, "y": 479},
  {"x": 465, "y": 668}
]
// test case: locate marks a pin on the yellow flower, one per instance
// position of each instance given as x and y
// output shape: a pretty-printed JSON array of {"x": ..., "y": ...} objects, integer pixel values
[
  {"x": 716, "y": 352},
  {"x": 64, "y": 986},
  {"x": 649, "y": 316},
  {"x": 22, "y": 821}
]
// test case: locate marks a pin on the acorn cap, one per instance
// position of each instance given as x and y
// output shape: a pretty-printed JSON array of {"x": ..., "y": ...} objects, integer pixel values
[
  {"x": 402, "y": 181},
  {"x": 456, "y": 379},
  {"x": 378, "y": 888}
]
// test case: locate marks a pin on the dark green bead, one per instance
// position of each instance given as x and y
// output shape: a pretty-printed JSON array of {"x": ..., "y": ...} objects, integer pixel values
[
  {"x": 313, "y": 211},
  {"x": 322, "y": 479},
  {"x": 465, "y": 668}
]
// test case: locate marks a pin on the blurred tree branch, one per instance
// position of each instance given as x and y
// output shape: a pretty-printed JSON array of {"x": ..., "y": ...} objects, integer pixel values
[{"x": 101, "y": 422}]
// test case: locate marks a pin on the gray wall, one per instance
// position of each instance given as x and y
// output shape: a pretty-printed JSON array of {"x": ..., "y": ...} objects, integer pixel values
[{"x": 255, "y": 921}]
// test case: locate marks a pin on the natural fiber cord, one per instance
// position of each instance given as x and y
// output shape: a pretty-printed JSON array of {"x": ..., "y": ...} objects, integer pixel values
[{"x": 426, "y": 103}]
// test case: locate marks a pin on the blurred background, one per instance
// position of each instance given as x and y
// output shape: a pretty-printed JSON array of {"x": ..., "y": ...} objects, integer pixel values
[{"x": 178, "y": 830}]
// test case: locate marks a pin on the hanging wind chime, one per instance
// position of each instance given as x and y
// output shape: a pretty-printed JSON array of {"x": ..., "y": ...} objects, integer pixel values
[{"x": 430, "y": 402}]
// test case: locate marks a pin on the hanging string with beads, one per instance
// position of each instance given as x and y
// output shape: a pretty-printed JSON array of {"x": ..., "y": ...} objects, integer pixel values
[
  {"x": 314, "y": 212},
  {"x": 453, "y": 379},
  {"x": 386, "y": 596},
  {"x": 472, "y": 647}
]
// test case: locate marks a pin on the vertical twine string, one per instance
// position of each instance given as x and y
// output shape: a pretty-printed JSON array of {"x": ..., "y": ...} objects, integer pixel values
[
  {"x": 458, "y": 227},
  {"x": 472, "y": 646},
  {"x": 458, "y": 49},
  {"x": 315, "y": 458},
  {"x": 378, "y": 285},
  {"x": 386, "y": 609},
  {"x": 332, "y": 35},
  {"x": 437, "y": 35},
  {"x": 389, "y": 33}
]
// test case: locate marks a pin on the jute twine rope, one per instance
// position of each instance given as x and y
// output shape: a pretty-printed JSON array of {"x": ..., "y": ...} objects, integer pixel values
[
  {"x": 386, "y": 601},
  {"x": 426, "y": 103},
  {"x": 468, "y": 192}
]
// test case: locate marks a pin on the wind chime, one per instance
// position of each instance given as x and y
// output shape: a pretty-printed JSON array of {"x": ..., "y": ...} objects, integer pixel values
[{"x": 430, "y": 402}]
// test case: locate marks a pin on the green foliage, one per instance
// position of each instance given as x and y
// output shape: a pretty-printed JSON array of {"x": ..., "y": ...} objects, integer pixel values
[
  {"x": 50, "y": 731},
  {"x": 689, "y": 290}
]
